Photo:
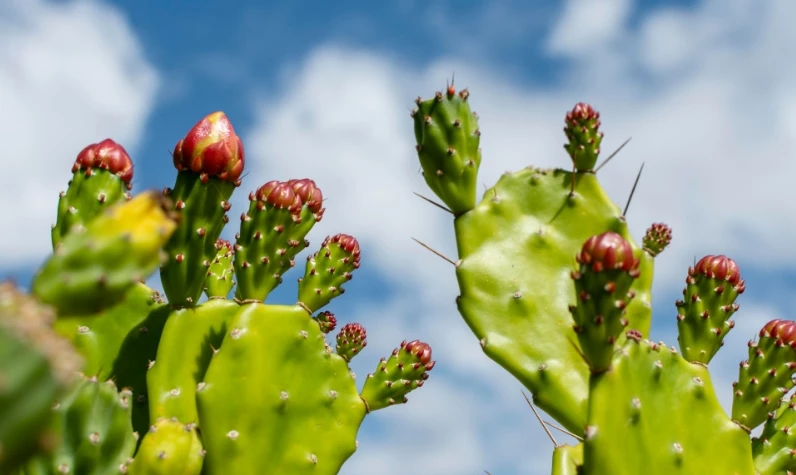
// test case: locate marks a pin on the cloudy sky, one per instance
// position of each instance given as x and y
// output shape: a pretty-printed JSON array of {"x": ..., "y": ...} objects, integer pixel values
[{"x": 706, "y": 89}]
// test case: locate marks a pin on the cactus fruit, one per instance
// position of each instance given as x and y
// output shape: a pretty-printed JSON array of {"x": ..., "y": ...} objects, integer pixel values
[
  {"x": 708, "y": 302},
  {"x": 774, "y": 450},
  {"x": 170, "y": 448},
  {"x": 102, "y": 175},
  {"x": 327, "y": 270},
  {"x": 272, "y": 234},
  {"x": 92, "y": 270},
  {"x": 210, "y": 161},
  {"x": 448, "y": 140},
  {"x": 351, "y": 339},
  {"x": 305, "y": 397},
  {"x": 656, "y": 239},
  {"x": 568, "y": 460},
  {"x": 96, "y": 435},
  {"x": 663, "y": 414},
  {"x": 583, "y": 133},
  {"x": 767, "y": 376},
  {"x": 602, "y": 285},
  {"x": 404, "y": 371},
  {"x": 36, "y": 367},
  {"x": 221, "y": 272},
  {"x": 326, "y": 321}
]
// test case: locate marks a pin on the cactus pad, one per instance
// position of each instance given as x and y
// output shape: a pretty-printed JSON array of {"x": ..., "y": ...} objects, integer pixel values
[
  {"x": 308, "y": 410},
  {"x": 221, "y": 273},
  {"x": 663, "y": 413},
  {"x": 327, "y": 270},
  {"x": 568, "y": 460},
  {"x": 169, "y": 448},
  {"x": 517, "y": 249},
  {"x": 404, "y": 371}
]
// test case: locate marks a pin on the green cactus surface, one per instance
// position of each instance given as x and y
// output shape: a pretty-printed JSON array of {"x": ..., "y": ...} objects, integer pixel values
[
  {"x": 708, "y": 302},
  {"x": 36, "y": 367},
  {"x": 654, "y": 412},
  {"x": 568, "y": 460},
  {"x": 92, "y": 270},
  {"x": 272, "y": 233},
  {"x": 307, "y": 406},
  {"x": 448, "y": 139},
  {"x": 327, "y": 270},
  {"x": 118, "y": 344},
  {"x": 517, "y": 250},
  {"x": 221, "y": 273},
  {"x": 775, "y": 448},
  {"x": 189, "y": 339},
  {"x": 96, "y": 436},
  {"x": 767, "y": 375},
  {"x": 169, "y": 448}
]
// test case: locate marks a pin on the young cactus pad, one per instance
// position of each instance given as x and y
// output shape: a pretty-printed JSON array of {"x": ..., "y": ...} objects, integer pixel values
[
  {"x": 517, "y": 249},
  {"x": 568, "y": 460},
  {"x": 92, "y": 270},
  {"x": 775, "y": 448},
  {"x": 102, "y": 175},
  {"x": 655, "y": 413},
  {"x": 169, "y": 448}
]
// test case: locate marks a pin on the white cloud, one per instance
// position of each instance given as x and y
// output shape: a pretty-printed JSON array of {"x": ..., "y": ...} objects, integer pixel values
[
  {"x": 711, "y": 115},
  {"x": 70, "y": 74}
]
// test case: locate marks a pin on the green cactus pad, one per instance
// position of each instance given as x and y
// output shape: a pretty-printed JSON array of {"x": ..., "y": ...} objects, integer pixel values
[
  {"x": 568, "y": 460},
  {"x": 448, "y": 140},
  {"x": 583, "y": 131},
  {"x": 95, "y": 432},
  {"x": 271, "y": 234},
  {"x": 655, "y": 413},
  {"x": 707, "y": 305},
  {"x": 36, "y": 367},
  {"x": 395, "y": 377},
  {"x": 119, "y": 343},
  {"x": 304, "y": 398},
  {"x": 93, "y": 270},
  {"x": 774, "y": 451},
  {"x": 327, "y": 270},
  {"x": 221, "y": 273},
  {"x": 169, "y": 448},
  {"x": 766, "y": 377},
  {"x": 189, "y": 339},
  {"x": 202, "y": 203},
  {"x": 517, "y": 250},
  {"x": 87, "y": 196}
]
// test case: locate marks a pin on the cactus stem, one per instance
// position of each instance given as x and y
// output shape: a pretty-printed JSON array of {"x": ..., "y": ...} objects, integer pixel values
[
  {"x": 605, "y": 162},
  {"x": 435, "y": 203},
  {"x": 455, "y": 263},
  {"x": 633, "y": 190},
  {"x": 549, "y": 434}
]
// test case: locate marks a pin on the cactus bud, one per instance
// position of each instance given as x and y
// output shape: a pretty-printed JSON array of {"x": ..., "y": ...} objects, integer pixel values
[
  {"x": 582, "y": 129},
  {"x": 608, "y": 251},
  {"x": 310, "y": 195},
  {"x": 404, "y": 371},
  {"x": 107, "y": 155},
  {"x": 326, "y": 321},
  {"x": 722, "y": 268},
  {"x": 657, "y": 238},
  {"x": 279, "y": 195},
  {"x": 211, "y": 148},
  {"x": 350, "y": 340}
]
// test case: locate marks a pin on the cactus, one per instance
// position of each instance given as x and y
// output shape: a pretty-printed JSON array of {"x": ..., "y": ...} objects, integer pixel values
[
  {"x": 177, "y": 385},
  {"x": 558, "y": 293},
  {"x": 36, "y": 367}
]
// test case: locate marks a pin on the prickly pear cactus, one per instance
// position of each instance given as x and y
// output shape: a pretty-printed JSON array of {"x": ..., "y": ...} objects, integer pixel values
[
  {"x": 173, "y": 448},
  {"x": 558, "y": 293}
]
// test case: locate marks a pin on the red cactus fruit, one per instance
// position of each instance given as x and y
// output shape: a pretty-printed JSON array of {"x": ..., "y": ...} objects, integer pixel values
[
  {"x": 608, "y": 251},
  {"x": 211, "y": 148},
  {"x": 719, "y": 267},
  {"x": 107, "y": 155}
]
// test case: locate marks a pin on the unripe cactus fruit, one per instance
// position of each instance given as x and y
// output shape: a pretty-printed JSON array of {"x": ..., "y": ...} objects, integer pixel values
[
  {"x": 101, "y": 178},
  {"x": 351, "y": 340},
  {"x": 583, "y": 132},
  {"x": 448, "y": 139},
  {"x": 327, "y": 270},
  {"x": 608, "y": 267},
  {"x": 657, "y": 238},
  {"x": 395, "y": 377},
  {"x": 703, "y": 314},
  {"x": 210, "y": 161},
  {"x": 766, "y": 377}
]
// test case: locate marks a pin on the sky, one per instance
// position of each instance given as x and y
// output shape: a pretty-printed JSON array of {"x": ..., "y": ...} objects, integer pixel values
[{"x": 322, "y": 90}]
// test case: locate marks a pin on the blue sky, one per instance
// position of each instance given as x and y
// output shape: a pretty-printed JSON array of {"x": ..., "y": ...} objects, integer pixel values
[{"x": 323, "y": 90}]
